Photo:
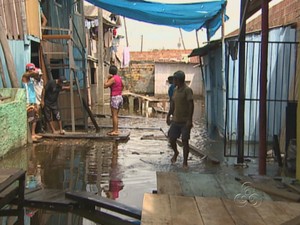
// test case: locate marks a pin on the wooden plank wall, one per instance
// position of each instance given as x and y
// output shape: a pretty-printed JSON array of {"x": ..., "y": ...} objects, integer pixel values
[
  {"x": 33, "y": 18},
  {"x": 64, "y": 104},
  {"x": 12, "y": 14}
]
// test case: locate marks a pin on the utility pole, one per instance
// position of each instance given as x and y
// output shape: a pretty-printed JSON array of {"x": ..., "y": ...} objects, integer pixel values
[
  {"x": 142, "y": 40},
  {"x": 126, "y": 35}
]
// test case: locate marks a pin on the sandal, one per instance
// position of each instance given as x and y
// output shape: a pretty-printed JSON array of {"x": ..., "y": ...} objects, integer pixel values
[
  {"x": 62, "y": 132},
  {"x": 37, "y": 136}
]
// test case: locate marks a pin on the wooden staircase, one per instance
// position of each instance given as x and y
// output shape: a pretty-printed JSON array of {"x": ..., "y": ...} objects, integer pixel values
[{"x": 59, "y": 47}]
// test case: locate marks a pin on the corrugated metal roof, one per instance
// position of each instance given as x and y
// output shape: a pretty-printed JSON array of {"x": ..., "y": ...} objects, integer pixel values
[
  {"x": 91, "y": 12},
  {"x": 204, "y": 50}
]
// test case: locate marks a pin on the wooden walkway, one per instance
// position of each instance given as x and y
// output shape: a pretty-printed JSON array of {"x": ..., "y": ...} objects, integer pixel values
[
  {"x": 123, "y": 136},
  {"x": 179, "y": 210},
  {"x": 214, "y": 199},
  {"x": 204, "y": 185}
]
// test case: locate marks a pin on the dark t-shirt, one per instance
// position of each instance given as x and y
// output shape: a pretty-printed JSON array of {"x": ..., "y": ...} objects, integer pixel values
[
  {"x": 181, "y": 98},
  {"x": 51, "y": 93}
]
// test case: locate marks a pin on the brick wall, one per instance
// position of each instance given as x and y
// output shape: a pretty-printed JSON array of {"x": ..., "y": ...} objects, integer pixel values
[
  {"x": 282, "y": 14},
  {"x": 164, "y": 56}
]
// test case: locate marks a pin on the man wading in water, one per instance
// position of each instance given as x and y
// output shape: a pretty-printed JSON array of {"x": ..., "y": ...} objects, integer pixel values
[{"x": 182, "y": 110}]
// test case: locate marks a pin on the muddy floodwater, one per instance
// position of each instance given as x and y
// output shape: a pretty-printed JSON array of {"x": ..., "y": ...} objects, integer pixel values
[{"x": 122, "y": 171}]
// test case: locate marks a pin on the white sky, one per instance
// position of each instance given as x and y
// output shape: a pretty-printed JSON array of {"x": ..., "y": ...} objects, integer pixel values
[{"x": 163, "y": 37}]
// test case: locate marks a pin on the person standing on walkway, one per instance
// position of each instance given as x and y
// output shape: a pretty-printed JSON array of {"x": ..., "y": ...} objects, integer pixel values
[
  {"x": 32, "y": 111},
  {"x": 114, "y": 82},
  {"x": 38, "y": 84},
  {"x": 182, "y": 110},
  {"x": 50, "y": 102}
]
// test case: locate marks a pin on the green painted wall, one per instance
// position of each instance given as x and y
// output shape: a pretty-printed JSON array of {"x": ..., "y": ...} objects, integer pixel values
[{"x": 13, "y": 119}]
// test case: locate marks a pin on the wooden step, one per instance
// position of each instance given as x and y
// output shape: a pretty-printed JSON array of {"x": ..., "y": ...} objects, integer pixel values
[
  {"x": 56, "y": 36},
  {"x": 55, "y": 53},
  {"x": 124, "y": 135}
]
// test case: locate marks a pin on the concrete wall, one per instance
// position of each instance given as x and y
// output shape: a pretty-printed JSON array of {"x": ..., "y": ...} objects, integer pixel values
[
  {"x": 13, "y": 120},
  {"x": 139, "y": 78},
  {"x": 193, "y": 77},
  {"x": 151, "y": 78}
]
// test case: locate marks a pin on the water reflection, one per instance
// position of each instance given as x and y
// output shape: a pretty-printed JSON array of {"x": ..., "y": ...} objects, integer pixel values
[
  {"x": 120, "y": 171},
  {"x": 115, "y": 175}
]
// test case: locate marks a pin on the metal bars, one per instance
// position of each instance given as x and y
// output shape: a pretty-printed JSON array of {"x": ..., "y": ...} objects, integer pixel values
[{"x": 281, "y": 84}]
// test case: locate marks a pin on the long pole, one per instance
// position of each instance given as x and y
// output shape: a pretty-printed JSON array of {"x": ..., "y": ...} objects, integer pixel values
[
  {"x": 241, "y": 87},
  {"x": 182, "y": 41},
  {"x": 100, "y": 87},
  {"x": 263, "y": 88},
  {"x": 200, "y": 60},
  {"x": 142, "y": 42},
  {"x": 126, "y": 35}
]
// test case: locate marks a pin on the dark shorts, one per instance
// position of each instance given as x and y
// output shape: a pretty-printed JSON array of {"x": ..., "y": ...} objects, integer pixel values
[
  {"x": 177, "y": 129},
  {"x": 51, "y": 113}
]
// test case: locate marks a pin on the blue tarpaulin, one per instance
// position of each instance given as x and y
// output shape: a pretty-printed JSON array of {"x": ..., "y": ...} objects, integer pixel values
[{"x": 188, "y": 16}]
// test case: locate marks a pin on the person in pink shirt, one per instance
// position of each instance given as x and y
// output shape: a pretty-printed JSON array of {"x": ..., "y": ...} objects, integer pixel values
[{"x": 114, "y": 82}]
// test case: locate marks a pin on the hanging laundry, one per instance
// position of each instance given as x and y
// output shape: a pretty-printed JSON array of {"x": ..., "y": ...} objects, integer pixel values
[
  {"x": 126, "y": 57},
  {"x": 108, "y": 36}
]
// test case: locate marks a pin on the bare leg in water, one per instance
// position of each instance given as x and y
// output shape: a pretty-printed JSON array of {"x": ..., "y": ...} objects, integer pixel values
[
  {"x": 186, "y": 151},
  {"x": 174, "y": 147}
]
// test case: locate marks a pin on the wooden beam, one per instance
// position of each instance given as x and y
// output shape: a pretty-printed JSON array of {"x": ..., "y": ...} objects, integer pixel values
[
  {"x": 89, "y": 199},
  {"x": 56, "y": 36}
]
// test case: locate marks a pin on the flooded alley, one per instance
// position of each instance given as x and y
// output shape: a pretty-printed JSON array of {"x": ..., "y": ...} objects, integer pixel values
[{"x": 122, "y": 171}]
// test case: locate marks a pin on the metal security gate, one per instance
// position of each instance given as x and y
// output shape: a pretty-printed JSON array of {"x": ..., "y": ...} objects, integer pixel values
[{"x": 281, "y": 94}]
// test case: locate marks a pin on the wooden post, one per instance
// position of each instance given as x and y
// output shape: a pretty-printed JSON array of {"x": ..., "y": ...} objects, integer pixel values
[
  {"x": 100, "y": 87},
  {"x": 4, "y": 84},
  {"x": 241, "y": 86},
  {"x": 72, "y": 68},
  {"x": 131, "y": 104},
  {"x": 263, "y": 88}
]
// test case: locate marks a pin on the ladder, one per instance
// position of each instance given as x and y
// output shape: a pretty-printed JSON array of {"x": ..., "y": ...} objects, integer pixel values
[{"x": 62, "y": 45}]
